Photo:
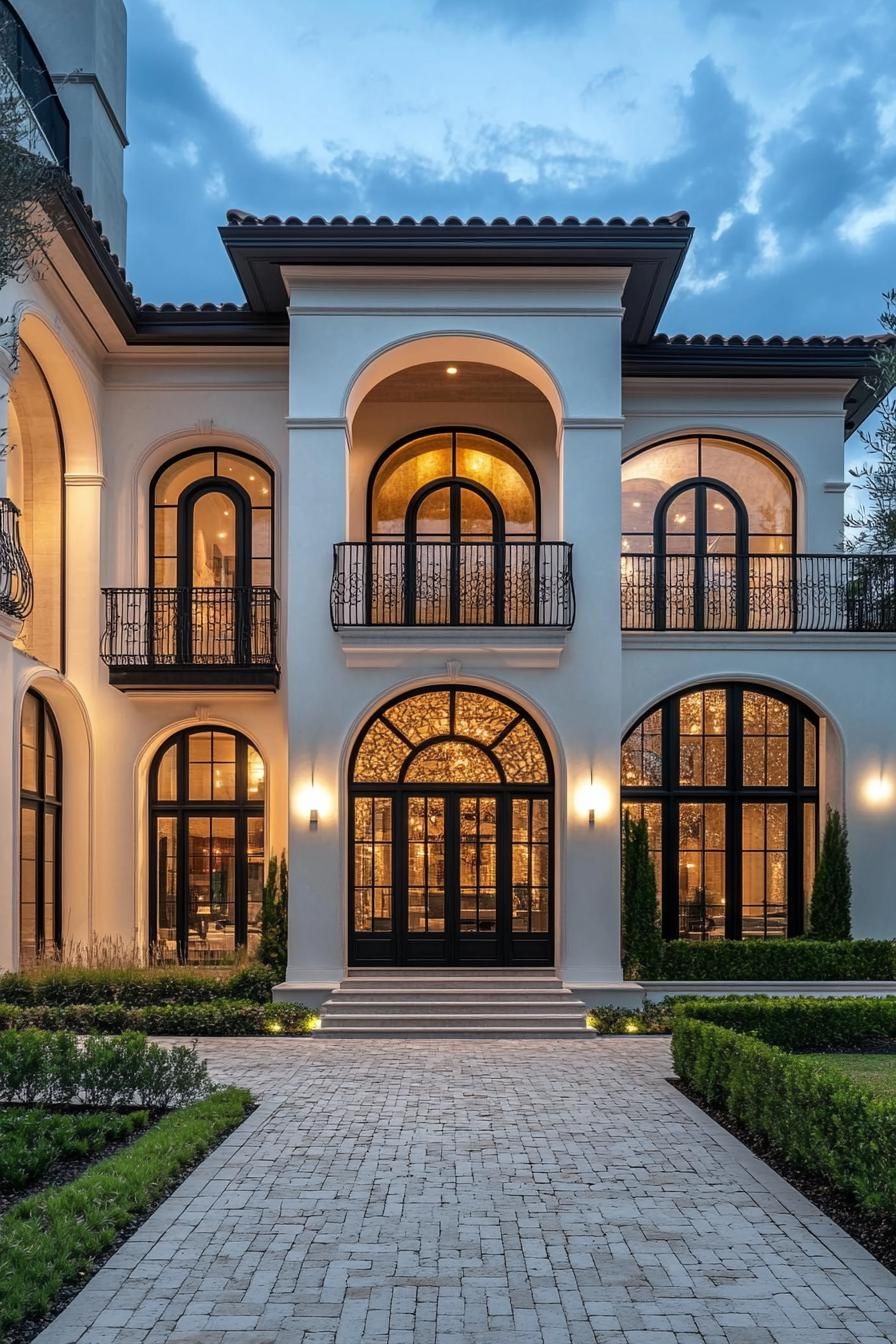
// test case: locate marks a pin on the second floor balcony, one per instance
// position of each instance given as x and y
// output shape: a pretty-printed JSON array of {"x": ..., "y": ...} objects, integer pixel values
[
  {"x": 452, "y": 583},
  {"x": 16, "y": 582},
  {"x": 173, "y": 638},
  {"x": 837, "y": 592}
]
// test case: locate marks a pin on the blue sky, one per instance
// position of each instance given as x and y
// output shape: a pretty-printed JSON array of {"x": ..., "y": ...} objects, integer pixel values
[{"x": 772, "y": 123}]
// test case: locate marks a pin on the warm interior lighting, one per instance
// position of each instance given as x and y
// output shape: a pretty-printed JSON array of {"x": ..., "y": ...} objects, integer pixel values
[
  {"x": 594, "y": 801},
  {"x": 681, "y": 518},
  {"x": 636, "y": 503},
  {"x": 451, "y": 370},
  {"x": 878, "y": 789}
]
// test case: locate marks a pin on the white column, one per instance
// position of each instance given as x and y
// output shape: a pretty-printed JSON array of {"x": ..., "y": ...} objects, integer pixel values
[
  {"x": 316, "y": 520},
  {"x": 590, "y": 714}
]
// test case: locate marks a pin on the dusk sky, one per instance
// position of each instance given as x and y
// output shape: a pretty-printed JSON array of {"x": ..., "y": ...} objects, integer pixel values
[{"x": 773, "y": 124}]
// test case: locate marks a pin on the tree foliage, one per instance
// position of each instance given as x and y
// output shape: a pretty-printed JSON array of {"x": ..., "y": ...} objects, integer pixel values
[
  {"x": 642, "y": 941},
  {"x": 830, "y": 912},
  {"x": 272, "y": 947},
  {"x": 873, "y": 524}
]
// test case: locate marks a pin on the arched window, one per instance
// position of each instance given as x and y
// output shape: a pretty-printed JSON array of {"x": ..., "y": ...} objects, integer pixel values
[
  {"x": 452, "y": 832},
  {"x": 35, "y": 468},
  {"x": 211, "y": 555},
  {"x": 207, "y": 851},
  {"x": 464, "y": 507},
  {"x": 716, "y": 518},
  {"x": 726, "y": 776},
  {"x": 40, "y": 835}
]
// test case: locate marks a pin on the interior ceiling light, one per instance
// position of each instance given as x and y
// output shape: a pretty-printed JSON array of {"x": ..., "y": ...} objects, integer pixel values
[{"x": 451, "y": 369}]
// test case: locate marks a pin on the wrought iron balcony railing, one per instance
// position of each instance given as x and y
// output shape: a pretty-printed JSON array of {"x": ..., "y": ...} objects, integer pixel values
[
  {"x": 435, "y": 583},
  {"x": 16, "y": 582},
  {"x": 759, "y": 592},
  {"x": 191, "y": 637},
  {"x": 25, "y": 63}
]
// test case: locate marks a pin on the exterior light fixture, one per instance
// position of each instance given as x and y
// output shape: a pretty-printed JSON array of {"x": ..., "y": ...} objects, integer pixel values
[
  {"x": 312, "y": 802},
  {"x": 878, "y": 789},
  {"x": 594, "y": 801},
  {"x": 275, "y": 1027},
  {"x": 451, "y": 370},
  {"x": 315, "y": 1023},
  {"x": 636, "y": 503}
]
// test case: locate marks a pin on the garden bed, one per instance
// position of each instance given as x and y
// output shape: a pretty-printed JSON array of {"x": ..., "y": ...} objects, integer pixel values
[{"x": 89, "y": 1145}]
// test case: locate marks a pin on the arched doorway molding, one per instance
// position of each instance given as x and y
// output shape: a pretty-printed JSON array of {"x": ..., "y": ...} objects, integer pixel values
[
  {"x": 521, "y": 706},
  {"x": 78, "y": 813},
  {"x": 448, "y": 346},
  {"x": 69, "y": 386}
]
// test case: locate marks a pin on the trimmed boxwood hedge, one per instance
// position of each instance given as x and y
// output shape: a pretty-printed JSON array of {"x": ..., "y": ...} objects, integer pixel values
[
  {"x": 57, "y": 1236},
  {"x": 779, "y": 959},
  {"x": 809, "y": 1112},
  {"x": 135, "y": 988},
  {"x": 799, "y": 1023},
  {"x": 220, "y": 1018}
]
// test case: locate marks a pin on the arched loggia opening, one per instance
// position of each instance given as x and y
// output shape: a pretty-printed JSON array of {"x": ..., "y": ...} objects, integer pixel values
[{"x": 452, "y": 832}]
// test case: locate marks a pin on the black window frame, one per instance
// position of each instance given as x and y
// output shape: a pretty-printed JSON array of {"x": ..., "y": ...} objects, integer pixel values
[
  {"x": 670, "y": 793},
  {"x": 181, "y": 809},
  {"x": 43, "y": 805}
]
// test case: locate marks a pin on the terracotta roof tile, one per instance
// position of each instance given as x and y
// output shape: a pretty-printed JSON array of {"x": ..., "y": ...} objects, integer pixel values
[
  {"x": 861, "y": 342},
  {"x": 243, "y": 218}
]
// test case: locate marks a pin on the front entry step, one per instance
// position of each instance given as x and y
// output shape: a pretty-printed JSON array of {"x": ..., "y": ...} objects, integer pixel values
[{"x": 448, "y": 1002}]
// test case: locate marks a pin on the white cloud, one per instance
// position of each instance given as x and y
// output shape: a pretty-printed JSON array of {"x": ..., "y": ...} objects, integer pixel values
[
  {"x": 865, "y": 220},
  {"x": 701, "y": 284}
]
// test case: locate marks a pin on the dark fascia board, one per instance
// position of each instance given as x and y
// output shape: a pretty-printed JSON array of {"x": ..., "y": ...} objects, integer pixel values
[
  {"x": 654, "y": 254},
  {"x": 839, "y": 360}
]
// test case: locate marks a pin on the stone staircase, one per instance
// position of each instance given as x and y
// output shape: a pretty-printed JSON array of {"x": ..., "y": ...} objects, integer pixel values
[{"x": 455, "y": 1002}]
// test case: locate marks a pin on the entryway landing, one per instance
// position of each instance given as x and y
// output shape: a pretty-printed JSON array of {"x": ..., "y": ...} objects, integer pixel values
[{"x": 450, "y": 1002}]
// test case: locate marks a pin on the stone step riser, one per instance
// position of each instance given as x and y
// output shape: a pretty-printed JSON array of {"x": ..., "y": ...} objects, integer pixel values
[
  {"x": 451, "y": 986},
  {"x": 453, "y": 1010},
  {"x": 453, "y": 1033},
  {"x": 452, "y": 996},
  {"x": 457, "y": 1023}
]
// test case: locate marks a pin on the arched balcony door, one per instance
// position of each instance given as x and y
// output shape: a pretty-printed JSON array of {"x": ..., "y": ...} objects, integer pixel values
[
  {"x": 708, "y": 537},
  {"x": 212, "y": 559},
  {"x": 454, "y": 528},
  {"x": 40, "y": 831},
  {"x": 451, "y": 847}
]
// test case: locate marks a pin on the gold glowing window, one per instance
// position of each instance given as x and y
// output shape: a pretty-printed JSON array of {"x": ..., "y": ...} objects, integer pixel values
[
  {"x": 401, "y": 507},
  {"x": 451, "y": 737}
]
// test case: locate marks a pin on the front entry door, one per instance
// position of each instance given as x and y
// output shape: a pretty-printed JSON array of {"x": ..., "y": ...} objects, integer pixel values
[{"x": 474, "y": 878}]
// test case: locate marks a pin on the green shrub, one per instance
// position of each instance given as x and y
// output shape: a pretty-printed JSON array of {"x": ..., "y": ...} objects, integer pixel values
[
  {"x": 797, "y": 1023},
  {"x": 33, "y": 1141},
  {"x": 49, "y": 1068},
  {"x": 56, "y": 1237},
  {"x": 650, "y": 1019},
  {"x": 642, "y": 942},
  {"x": 66, "y": 986},
  {"x": 830, "y": 908},
  {"x": 223, "y": 1017},
  {"x": 810, "y": 1113},
  {"x": 779, "y": 959},
  {"x": 272, "y": 947}
]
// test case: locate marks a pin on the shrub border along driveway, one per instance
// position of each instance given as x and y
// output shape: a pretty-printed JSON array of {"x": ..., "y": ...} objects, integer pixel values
[{"x": 55, "y": 1237}]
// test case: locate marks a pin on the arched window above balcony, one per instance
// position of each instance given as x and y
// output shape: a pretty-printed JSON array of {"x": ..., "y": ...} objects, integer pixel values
[{"x": 454, "y": 485}]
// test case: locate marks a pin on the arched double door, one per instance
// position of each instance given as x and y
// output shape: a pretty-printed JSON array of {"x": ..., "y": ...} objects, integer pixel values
[{"x": 451, "y": 846}]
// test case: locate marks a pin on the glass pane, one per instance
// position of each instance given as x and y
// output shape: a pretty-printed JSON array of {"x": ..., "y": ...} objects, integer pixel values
[
  {"x": 261, "y": 533},
  {"x": 166, "y": 779},
  {"x": 214, "y": 541},
  {"x": 49, "y": 876},
  {"x": 702, "y": 744},
  {"x": 757, "y": 481},
  {"x": 530, "y": 865},
  {"x": 166, "y": 531},
  {"x": 166, "y": 887},
  {"x": 405, "y": 472},
  {"x": 419, "y": 717},
  {"x": 452, "y": 762},
  {"x": 254, "y": 776},
  {"x": 252, "y": 476},
  {"x": 680, "y": 522},
  {"x": 764, "y": 870},
  {"x": 810, "y": 754},
  {"x": 766, "y": 746},
  {"x": 502, "y": 472},
  {"x": 380, "y": 756},
  {"x": 28, "y": 882},
  {"x": 647, "y": 476},
  {"x": 200, "y": 767},
  {"x": 182, "y": 473},
  {"x": 521, "y": 756},
  {"x": 481, "y": 716},
  {"x": 476, "y": 519},
  {"x": 426, "y": 865},
  {"x": 810, "y": 856},
  {"x": 653, "y": 814},
  {"x": 373, "y": 865},
  {"x": 256, "y": 872},
  {"x": 30, "y": 767},
  {"x": 478, "y": 865},
  {"x": 434, "y": 515},
  {"x": 211, "y": 877},
  {"x": 642, "y": 754},
  {"x": 720, "y": 515},
  {"x": 701, "y": 870},
  {"x": 51, "y": 781}
]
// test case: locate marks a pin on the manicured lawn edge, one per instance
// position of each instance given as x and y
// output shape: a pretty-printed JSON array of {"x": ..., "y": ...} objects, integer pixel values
[
  {"x": 809, "y": 1112},
  {"x": 54, "y": 1238}
]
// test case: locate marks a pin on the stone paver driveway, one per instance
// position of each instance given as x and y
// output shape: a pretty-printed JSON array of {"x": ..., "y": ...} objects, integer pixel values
[{"x": 492, "y": 1191}]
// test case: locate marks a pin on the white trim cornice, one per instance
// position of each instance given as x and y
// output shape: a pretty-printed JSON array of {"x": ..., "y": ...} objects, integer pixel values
[
  {"x": 662, "y": 642},
  {"x": 594, "y": 422},
  {"x": 556, "y": 276},
  {"x": 836, "y": 487},
  {"x": 449, "y": 652},
  {"x": 448, "y": 310},
  {"x": 317, "y": 422}
]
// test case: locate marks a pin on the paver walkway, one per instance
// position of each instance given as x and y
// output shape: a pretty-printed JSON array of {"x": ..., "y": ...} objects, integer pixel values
[{"x": 489, "y": 1191}]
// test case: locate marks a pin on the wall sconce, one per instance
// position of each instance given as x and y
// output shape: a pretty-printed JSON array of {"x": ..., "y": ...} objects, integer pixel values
[
  {"x": 594, "y": 801},
  {"x": 878, "y": 789},
  {"x": 313, "y": 803}
]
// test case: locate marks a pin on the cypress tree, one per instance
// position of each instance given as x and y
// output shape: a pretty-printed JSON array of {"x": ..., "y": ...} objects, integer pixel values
[
  {"x": 829, "y": 915},
  {"x": 272, "y": 949},
  {"x": 642, "y": 941}
]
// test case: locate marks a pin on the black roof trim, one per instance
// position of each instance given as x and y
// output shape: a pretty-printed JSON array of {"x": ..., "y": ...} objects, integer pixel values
[{"x": 653, "y": 251}]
